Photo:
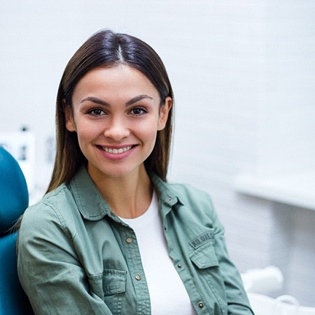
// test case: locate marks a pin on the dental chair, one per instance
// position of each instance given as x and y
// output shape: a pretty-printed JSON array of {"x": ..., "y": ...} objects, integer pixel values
[{"x": 13, "y": 202}]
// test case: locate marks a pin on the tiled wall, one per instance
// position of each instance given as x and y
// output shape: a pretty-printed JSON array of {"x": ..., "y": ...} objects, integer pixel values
[{"x": 243, "y": 74}]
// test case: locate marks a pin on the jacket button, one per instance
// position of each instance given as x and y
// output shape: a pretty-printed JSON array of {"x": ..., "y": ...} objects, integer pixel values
[
  {"x": 179, "y": 266},
  {"x": 200, "y": 305},
  {"x": 128, "y": 240},
  {"x": 138, "y": 277}
]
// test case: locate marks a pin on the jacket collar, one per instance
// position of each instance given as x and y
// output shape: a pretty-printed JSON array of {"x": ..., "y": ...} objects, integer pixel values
[
  {"x": 92, "y": 205},
  {"x": 89, "y": 201},
  {"x": 165, "y": 193}
]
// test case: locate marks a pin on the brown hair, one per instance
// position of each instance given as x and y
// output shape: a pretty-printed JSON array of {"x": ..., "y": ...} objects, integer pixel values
[{"x": 105, "y": 49}]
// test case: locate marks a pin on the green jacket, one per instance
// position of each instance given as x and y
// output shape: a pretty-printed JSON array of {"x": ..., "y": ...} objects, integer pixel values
[{"x": 75, "y": 256}]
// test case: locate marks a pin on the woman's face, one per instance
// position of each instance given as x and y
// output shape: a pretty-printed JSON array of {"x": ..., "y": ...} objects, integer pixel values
[{"x": 116, "y": 114}]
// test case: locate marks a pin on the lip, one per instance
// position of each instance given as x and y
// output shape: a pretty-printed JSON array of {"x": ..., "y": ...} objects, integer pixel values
[{"x": 116, "y": 152}]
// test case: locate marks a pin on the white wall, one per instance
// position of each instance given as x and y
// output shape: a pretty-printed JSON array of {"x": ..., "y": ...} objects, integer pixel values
[{"x": 243, "y": 74}]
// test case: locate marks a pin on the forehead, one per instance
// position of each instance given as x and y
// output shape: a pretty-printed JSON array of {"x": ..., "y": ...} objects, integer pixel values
[{"x": 119, "y": 78}]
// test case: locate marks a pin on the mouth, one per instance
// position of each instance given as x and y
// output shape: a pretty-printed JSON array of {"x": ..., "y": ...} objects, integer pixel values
[{"x": 117, "y": 150}]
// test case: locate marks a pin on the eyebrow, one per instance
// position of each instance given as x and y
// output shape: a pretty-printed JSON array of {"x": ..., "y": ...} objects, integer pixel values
[
  {"x": 138, "y": 98},
  {"x": 103, "y": 103},
  {"x": 94, "y": 100}
]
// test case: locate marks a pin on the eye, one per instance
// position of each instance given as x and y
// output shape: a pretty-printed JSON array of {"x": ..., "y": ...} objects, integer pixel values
[
  {"x": 138, "y": 111},
  {"x": 96, "y": 112}
]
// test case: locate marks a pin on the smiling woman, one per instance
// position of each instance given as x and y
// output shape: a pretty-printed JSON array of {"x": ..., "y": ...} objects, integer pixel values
[
  {"x": 112, "y": 236},
  {"x": 116, "y": 114}
]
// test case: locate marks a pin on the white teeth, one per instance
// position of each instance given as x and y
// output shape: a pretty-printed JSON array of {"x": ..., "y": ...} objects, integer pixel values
[{"x": 116, "y": 151}]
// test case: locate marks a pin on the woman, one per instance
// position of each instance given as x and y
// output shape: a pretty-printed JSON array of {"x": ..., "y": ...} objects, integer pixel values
[{"x": 111, "y": 236}]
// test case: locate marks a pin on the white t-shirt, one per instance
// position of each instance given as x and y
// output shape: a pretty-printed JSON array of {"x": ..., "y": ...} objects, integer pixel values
[{"x": 167, "y": 292}]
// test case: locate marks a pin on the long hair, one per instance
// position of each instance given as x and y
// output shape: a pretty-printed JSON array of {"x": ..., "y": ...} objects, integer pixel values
[{"x": 106, "y": 49}]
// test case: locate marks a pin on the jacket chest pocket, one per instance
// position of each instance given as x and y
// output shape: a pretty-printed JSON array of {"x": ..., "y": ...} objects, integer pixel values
[
  {"x": 208, "y": 271},
  {"x": 114, "y": 288},
  {"x": 205, "y": 257}
]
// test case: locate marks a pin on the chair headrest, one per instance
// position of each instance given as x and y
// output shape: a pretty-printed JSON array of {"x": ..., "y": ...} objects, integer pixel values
[{"x": 13, "y": 191}]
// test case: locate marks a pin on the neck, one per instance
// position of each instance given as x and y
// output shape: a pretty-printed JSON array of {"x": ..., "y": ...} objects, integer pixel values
[{"x": 128, "y": 196}]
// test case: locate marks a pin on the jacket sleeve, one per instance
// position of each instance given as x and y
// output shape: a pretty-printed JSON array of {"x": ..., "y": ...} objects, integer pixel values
[
  {"x": 237, "y": 299},
  {"x": 49, "y": 269}
]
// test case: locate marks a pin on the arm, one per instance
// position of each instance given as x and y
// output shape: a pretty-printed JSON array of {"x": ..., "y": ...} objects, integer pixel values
[
  {"x": 50, "y": 271},
  {"x": 236, "y": 296}
]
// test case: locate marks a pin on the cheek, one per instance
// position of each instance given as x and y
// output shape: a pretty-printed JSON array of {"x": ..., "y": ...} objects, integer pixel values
[
  {"x": 86, "y": 132},
  {"x": 149, "y": 137},
  {"x": 147, "y": 130}
]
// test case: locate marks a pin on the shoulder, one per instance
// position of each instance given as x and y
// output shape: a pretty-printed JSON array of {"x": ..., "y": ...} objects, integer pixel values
[
  {"x": 194, "y": 206},
  {"x": 189, "y": 191},
  {"x": 195, "y": 201},
  {"x": 51, "y": 210},
  {"x": 189, "y": 194},
  {"x": 184, "y": 193}
]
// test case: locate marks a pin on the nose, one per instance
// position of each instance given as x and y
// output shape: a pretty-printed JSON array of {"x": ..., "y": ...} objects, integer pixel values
[{"x": 117, "y": 129}]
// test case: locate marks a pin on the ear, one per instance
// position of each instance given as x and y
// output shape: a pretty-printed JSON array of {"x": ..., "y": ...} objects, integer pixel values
[
  {"x": 70, "y": 124},
  {"x": 164, "y": 113}
]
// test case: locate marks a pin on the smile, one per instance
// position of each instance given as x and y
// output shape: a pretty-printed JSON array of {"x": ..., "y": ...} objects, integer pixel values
[{"x": 117, "y": 151}]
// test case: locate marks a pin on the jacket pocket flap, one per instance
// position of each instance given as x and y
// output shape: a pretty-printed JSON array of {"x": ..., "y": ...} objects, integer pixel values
[
  {"x": 114, "y": 281},
  {"x": 205, "y": 257}
]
